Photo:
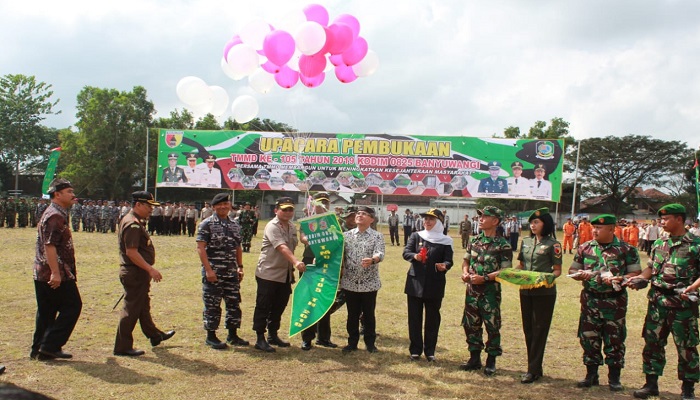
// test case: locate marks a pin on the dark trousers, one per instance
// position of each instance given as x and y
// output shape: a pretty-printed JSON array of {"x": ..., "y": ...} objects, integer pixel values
[
  {"x": 537, "y": 314},
  {"x": 361, "y": 303},
  {"x": 190, "y": 227},
  {"x": 513, "y": 238},
  {"x": 322, "y": 327},
  {"x": 137, "y": 308},
  {"x": 394, "y": 234},
  {"x": 57, "y": 313},
  {"x": 407, "y": 230},
  {"x": 423, "y": 343},
  {"x": 270, "y": 302}
]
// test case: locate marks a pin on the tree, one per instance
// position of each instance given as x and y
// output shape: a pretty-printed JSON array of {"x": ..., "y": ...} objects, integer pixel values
[
  {"x": 24, "y": 103},
  {"x": 615, "y": 166},
  {"x": 256, "y": 124},
  {"x": 208, "y": 123},
  {"x": 177, "y": 120},
  {"x": 106, "y": 156}
]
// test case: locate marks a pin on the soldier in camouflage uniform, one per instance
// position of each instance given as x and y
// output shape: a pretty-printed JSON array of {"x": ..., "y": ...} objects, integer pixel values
[
  {"x": 486, "y": 254},
  {"x": 89, "y": 216},
  {"x": 2, "y": 212},
  {"x": 32, "y": 212},
  {"x": 104, "y": 215},
  {"x": 219, "y": 249},
  {"x": 10, "y": 212},
  {"x": 114, "y": 211},
  {"x": 247, "y": 220},
  {"x": 600, "y": 264},
  {"x": 40, "y": 208},
  {"x": 22, "y": 213},
  {"x": 674, "y": 266},
  {"x": 76, "y": 215}
]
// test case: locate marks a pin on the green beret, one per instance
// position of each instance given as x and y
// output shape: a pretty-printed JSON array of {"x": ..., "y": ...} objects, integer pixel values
[
  {"x": 490, "y": 211},
  {"x": 604, "y": 219},
  {"x": 538, "y": 213},
  {"x": 671, "y": 209}
]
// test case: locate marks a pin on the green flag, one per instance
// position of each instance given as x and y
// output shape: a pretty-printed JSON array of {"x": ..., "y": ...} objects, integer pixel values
[
  {"x": 315, "y": 293},
  {"x": 50, "y": 169}
]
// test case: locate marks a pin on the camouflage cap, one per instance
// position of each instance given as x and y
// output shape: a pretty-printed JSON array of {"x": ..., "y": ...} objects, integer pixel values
[
  {"x": 604, "y": 219},
  {"x": 58, "y": 184},
  {"x": 490, "y": 211},
  {"x": 350, "y": 210},
  {"x": 322, "y": 196},
  {"x": 672, "y": 209},
  {"x": 538, "y": 213}
]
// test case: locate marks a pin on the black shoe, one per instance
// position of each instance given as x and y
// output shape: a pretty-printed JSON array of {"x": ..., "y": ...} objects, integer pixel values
[
  {"x": 350, "y": 348},
  {"x": 155, "y": 341},
  {"x": 415, "y": 357},
  {"x": 276, "y": 341},
  {"x": 530, "y": 378},
  {"x": 130, "y": 353},
  {"x": 431, "y": 359},
  {"x": 236, "y": 341},
  {"x": 591, "y": 378},
  {"x": 33, "y": 354},
  {"x": 474, "y": 363},
  {"x": 264, "y": 346},
  {"x": 54, "y": 354},
  {"x": 215, "y": 343},
  {"x": 2, "y": 369},
  {"x": 688, "y": 390},
  {"x": 306, "y": 346},
  {"x": 326, "y": 343},
  {"x": 490, "y": 367},
  {"x": 372, "y": 349}
]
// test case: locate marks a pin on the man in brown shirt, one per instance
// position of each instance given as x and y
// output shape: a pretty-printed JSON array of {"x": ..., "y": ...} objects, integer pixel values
[
  {"x": 274, "y": 275},
  {"x": 57, "y": 296},
  {"x": 136, "y": 258}
]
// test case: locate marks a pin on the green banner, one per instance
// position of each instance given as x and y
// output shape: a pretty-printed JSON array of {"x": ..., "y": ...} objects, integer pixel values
[
  {"x": 315, "y": 292},
  {"x": 415, "y": 165},
  {"x": 50, "y": 170}
]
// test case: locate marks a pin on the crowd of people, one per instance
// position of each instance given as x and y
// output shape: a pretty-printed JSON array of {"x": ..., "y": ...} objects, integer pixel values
[{"x": 606, "y": 264}]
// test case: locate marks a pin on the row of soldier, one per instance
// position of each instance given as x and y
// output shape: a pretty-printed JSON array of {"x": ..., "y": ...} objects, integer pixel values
[{"x": 21, "y": 212}]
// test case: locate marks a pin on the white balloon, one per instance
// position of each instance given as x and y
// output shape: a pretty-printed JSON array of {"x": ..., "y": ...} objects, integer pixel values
[
  {"x": 368, "y": 65},
  {"x": 261, "y": 81},
  {"x": 244, "y": 108},
  {"x": 291, "y": 21},
  {"x": 293, "y": 63},
  {"x": 229, "y": 72},
  {"x": 243, "y": 59},
  {"x": 219, "y": 100},
  {"x": 254, "y": 32},
  {"x": 310, "y": 37},
  {"x": 200, "y": 110},
  {"x": 193, "y": 91}
]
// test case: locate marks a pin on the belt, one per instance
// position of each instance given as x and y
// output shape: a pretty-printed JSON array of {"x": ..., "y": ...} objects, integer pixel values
[{"x": 605, "y": 295}]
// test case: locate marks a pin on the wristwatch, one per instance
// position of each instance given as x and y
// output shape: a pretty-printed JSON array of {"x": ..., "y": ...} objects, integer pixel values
[{"x": 487, "y": 278}]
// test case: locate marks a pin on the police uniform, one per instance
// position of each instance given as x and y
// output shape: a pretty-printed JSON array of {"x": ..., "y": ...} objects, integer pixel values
[
  {"x": 490, "y": 185},
  {"x": 484, "y": 255},
  {"x": 222, "y": 241},
  {"x": 602, "y": 323},
  {"x": 537, "y": 305},
  {"x": 675, "y": 264}
]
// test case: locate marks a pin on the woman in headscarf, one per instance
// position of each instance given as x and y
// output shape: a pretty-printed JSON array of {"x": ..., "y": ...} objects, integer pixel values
[
  {"x": 430, "y": 253},
  {"x": 540, "y": 252}
]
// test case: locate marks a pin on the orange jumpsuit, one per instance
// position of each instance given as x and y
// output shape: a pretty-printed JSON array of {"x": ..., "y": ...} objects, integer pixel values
[
  {"x": 618, "y": 232},
  {"x": 569, "y": 230},
  {"x": 633, "y": 234},
  {"x": 585, "y": 232}
]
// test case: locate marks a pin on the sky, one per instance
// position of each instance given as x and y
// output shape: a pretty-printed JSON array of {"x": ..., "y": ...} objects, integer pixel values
[{"x": 447, "y": 67}]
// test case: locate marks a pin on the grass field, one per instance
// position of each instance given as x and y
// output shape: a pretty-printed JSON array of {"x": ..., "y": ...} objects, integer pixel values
[{"x": 184, "y": 368}]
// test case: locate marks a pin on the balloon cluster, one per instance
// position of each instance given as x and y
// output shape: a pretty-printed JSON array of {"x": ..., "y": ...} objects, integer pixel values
[{"x": 305, "y": 51}]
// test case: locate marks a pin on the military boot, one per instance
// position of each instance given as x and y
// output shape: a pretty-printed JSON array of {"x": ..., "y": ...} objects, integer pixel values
[
  {"x": 234, "y": 339},
  {"x": 591, "y": 378},
  {"x": 688, "y": 390},
  {"x": 650, "y": 388},
  {"x": 214, "y": 342},
  {"x": 614, "y": 379},
  {"x": 275, "y": 340},
  {"x": 474, "y": 362},
  {"x": 490, "y": 367}
]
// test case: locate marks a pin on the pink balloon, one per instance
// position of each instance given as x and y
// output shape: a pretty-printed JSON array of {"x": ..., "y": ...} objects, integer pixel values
[
  {"x": 356, "y": 52},
  {"x": 270, "y": 67},
  {"x": 311, "y": 66},
  {"x": 279, "y": 47},
  {"x": 234, "y": 41},
  {"x": 350, "y": 21},
  {"x": 316, "y": 13},
  {"x": 342, "y": 38},
  {"x": 345, "y": 74},
  {"x": 329, "y": 41},
  {"x": 288, "y": 77},
  {"x": 312, "y": 81},
  {"x": 336, "y": 59}
]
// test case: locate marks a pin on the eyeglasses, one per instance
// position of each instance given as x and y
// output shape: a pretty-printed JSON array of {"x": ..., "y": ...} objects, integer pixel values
[{"x": 366, "y": 214}]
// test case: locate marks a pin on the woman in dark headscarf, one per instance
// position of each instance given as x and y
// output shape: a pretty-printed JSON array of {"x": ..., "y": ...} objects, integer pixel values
[{"x": 430, "y": 253}]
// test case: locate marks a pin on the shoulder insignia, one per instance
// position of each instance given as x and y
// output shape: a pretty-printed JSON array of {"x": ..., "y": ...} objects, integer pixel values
[{"x": 557, "y": 248}]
